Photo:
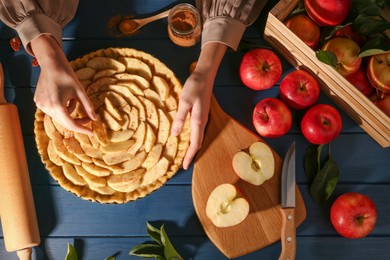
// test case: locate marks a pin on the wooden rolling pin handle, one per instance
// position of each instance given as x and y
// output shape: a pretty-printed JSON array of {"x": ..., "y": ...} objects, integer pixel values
[{"x": 24, "y": 254}]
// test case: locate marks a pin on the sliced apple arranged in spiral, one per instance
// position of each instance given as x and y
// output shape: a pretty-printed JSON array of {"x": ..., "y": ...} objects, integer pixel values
[
  {"x": 256, "y": 164},
  {"x": 226, "y": 206}
]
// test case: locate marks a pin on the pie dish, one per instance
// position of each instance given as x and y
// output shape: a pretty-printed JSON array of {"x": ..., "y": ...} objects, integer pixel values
[{"x": 131, "y": 152}]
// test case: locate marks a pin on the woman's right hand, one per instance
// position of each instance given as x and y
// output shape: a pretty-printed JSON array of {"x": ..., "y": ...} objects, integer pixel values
[
  {"x": 58, "y": 88},
  {"x": 196, "y": 97}
]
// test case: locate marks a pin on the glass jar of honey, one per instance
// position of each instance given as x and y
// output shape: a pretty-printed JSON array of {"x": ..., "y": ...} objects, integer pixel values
[{"x": 184, "y": 25}]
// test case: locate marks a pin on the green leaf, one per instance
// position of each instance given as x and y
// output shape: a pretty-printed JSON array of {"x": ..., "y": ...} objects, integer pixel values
[
  {"x": 369, "y": 25},
  {"x": 332, "y": 178},
  {"x": 169, "y": 251},
  {"x": 311, "y": 161},
  {"x": 371, "y": 52},
  {"x": 110, "y": 258},
  {"x": 71, "y": 254},
  {"x": 148, "y": 251},
  {"x": 325, "y": 182},
  {"x": 154, "y": 233},
  {"x": 329, "y": 32},
  {"x": 327, "y": 57},
  {"x": 300, "y": 8},
  {"x": 374, "y": 46},
  {"x": 368, "y": 7}
]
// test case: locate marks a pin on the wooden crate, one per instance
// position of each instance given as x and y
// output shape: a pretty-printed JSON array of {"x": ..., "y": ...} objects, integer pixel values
[{"x": 370, "y": 118}]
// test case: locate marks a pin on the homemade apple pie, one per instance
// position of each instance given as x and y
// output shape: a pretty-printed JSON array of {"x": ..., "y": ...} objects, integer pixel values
[{"x": 131, "y": 152}]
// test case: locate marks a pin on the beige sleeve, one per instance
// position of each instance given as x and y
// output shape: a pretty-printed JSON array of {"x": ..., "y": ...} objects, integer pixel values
[
  {"x": 30, "y": 18},
  {"x": 226, "y": 20}
]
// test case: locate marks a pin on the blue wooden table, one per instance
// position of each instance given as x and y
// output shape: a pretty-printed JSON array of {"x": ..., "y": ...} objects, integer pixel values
[{"x": 98, "y": 231}]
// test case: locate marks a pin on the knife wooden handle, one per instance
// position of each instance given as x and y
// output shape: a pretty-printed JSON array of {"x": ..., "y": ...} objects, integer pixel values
[{"x": 288, "y": 237}]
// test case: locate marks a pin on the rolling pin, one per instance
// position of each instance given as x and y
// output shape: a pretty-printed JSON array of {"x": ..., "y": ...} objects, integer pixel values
[{"x": 17, "y": 210}]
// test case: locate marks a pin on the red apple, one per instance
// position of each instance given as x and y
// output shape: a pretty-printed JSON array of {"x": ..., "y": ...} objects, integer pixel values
[
  {"x": 329, "y": 12},
  {"x": 378, "y": 71},
  {"x": 260, "y": 69},
  {"x": 353, "y": 215},
  {"x": 384, "y": 104},
  {"x": 359, "y": 79},
  {"x": 299, "y": 89},
  {"x": 347, "y": 52},
  {"x": 272, "y": 118},
  {"x": 305, "y": 28},
  {"x": 348, "y": 32},
  {"x": 321, "y": 124}
]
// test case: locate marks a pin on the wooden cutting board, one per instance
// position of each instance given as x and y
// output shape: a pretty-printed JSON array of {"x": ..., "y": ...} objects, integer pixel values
[{"x": 213, "y": 166}]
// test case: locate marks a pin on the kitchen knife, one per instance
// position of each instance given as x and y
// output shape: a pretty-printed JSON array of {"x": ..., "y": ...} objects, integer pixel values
[{"x": 288, "y": 238}]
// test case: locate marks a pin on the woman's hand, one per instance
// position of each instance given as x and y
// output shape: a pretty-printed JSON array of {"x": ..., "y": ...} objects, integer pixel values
[
  {"x": 195, "y": 97},
  {"x": 58, "y": 88}
]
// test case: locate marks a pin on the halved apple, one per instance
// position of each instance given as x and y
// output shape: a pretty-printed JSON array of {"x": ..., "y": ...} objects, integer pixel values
[
  {"x": 378, "y": 71},
  {"x": 255, "y": 165},
  {"x": 226, "y": 206}
]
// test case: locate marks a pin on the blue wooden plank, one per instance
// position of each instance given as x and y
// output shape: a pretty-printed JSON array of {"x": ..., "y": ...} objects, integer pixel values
[
  {"x": 60, "y": 213},
  {"x": 201, "y": 248}
]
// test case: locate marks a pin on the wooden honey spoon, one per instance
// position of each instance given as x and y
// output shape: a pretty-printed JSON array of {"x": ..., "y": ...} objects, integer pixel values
[{"x": 130, "y": 26}]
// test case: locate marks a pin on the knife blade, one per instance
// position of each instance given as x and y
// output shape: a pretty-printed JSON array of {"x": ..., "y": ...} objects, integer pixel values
[{"x": 288, "y": 237}]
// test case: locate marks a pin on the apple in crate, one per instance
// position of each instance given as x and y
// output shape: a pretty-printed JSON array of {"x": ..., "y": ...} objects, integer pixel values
[
  {"x": 360, "y": 81},
  {"x": 321, "y": 124},
  {"x": 272, "y": 118},
  {"x": 260, "y": 69},
  {"x": 256, "y": 165},
  {"x": 378, "y": 71},
  {"x": 226, "y": 206},
  {"x": 347, "y": 53},
  {"x": 299, "y": 89},
  {"x": 328, "y": 12},
  {"x": 353, "y": 215},
  {"x": 384, "y": 104},
  {"x": 305, "y": 28},
  {"x": 348, "y": 32}
]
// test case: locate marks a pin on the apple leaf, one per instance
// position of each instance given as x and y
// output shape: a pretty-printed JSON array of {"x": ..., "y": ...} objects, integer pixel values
[
  {"x": 327, "y": 57},
  {"x": 311, "y": 161},
  {"x": 154, "y": 233},
  {"x": 110, "y": 258},
  {"x": 374, "y": 46},
  {"x": 323, "y": 179},
  {"x": 148, "y": 251},
  {"x": 325, "y": 182},
  {"x": 169, "y": 251},
  {"x": 329, "y": 32},
  {"x": 300, "y": 8},
  {"x": 71, "y": 254},
  {"x": 370, "y": 25},
  {"x": 161, "y": 250},
  {"x": 368, "y": 7}
]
